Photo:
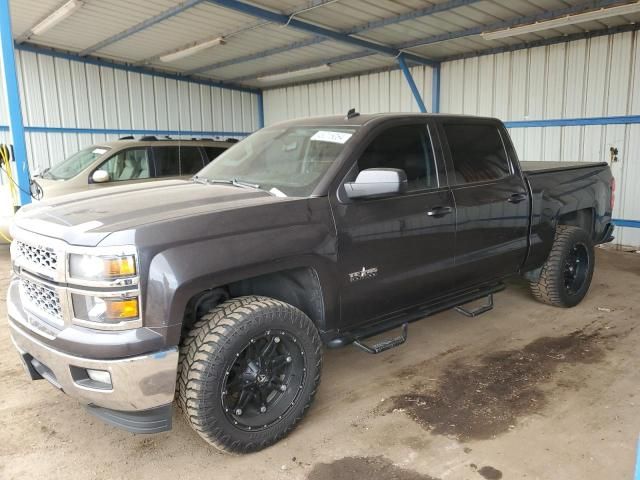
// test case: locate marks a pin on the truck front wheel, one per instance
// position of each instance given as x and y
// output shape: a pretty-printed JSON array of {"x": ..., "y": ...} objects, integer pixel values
[
  {"x": 566, "y": 274},
  {"x": 249, "y": 370}
]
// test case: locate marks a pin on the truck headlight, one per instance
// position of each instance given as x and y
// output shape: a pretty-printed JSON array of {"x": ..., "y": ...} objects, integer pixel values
[
  {"x": 91, "y": 267},
  {"x": 105, "y": 310}
]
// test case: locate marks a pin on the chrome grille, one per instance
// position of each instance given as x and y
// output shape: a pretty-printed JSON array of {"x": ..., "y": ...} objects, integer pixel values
[
  {"x": 45, "y": 299},
  {"x": 42, "y": 257}
]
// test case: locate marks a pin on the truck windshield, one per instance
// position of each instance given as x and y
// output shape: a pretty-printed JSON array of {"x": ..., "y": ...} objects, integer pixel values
[
  {"x": 287, "y": 161},
  {"x": 73, "y": 165}
]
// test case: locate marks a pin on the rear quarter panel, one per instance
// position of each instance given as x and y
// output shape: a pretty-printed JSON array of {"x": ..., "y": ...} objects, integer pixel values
[{"x": 562, "y": 191}]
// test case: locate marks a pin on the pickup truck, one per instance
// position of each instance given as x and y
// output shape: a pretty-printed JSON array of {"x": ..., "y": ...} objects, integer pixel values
[{"x": 221, "y": 291}]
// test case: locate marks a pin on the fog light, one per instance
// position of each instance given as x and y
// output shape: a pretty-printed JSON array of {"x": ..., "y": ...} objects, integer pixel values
[{"x": 100, "y": 376}]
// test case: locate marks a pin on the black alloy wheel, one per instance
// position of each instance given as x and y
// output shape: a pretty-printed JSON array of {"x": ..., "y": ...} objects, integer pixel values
[
  {"x": 264, "y": 381},
  {"x": 576, "y": 267},
  {"x": 248, "y": 372}
]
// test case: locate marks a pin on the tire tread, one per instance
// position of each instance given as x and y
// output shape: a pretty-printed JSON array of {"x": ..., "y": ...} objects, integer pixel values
[{"x": 201, "y": 347}]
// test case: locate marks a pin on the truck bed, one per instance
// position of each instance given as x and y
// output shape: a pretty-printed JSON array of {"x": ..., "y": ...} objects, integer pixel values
[{"x": 533, "y": 168}]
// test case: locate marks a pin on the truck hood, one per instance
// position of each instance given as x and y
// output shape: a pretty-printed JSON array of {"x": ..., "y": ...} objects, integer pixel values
[{"x": 87, "y": 218}]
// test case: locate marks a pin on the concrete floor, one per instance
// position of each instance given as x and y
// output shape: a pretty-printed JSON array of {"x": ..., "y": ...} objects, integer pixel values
[{"x": 525, "y": 391}]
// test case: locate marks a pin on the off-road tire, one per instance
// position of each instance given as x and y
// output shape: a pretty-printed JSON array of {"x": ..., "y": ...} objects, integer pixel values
[
  {"x": 550, "y": 287},
  {"x": 214, "y": 341}
]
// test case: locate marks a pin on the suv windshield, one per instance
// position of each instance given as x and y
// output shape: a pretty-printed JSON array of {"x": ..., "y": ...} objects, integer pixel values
[
  {"x": 74, "y": 164},
  {"x": 289, "y": 161}
]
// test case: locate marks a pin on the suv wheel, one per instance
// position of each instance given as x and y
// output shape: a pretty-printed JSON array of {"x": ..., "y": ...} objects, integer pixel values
[
  {"x": 566, "y": 274},
  {"x": 249, "y": 370}
]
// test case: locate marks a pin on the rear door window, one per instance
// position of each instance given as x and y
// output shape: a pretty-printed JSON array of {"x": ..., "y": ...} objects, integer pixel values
[
  {"x": 130, "y": 164},
  {"x": 212, "y": 152},
  {"x": 477, "y": 152},
  {"x": 176, "y": 161},
  {"x": 190, "y": 160}
]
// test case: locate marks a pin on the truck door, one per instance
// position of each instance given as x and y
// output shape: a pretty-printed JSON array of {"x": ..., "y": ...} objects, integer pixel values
[
  {"x": 397, "y": 251},
  {"x": 492, "y": 202}
]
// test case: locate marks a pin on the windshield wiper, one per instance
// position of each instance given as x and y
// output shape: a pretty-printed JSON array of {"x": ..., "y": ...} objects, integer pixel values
[
  {"x": 241, "y": 183},
  {"x": 236, "y": 182},
  {"x": 201, "y": 180}
]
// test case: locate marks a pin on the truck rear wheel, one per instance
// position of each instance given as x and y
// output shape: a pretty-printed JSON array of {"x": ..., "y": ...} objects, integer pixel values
[
  {"x": 249, "y": 370},
  {"x": 566, "y": 274}
]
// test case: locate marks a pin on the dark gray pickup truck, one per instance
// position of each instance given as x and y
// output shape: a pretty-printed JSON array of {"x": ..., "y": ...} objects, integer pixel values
[{"x": 222, "y": 291}]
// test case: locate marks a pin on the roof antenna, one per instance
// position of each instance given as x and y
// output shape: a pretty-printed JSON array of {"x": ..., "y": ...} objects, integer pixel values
[{"x": 352, "y": 114}]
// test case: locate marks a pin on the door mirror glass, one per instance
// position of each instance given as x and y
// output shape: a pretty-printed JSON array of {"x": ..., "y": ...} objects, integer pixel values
[
  {"x": 377, "y": 182},
  {"x": 100, "y": 176}
]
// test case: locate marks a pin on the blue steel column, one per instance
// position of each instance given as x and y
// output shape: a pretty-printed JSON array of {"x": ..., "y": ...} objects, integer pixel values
[
  {"x": 260, "y": 110},
  {"x": 412, "y": 84},
  {"x": 13, "y": 100},
  {"x": 435, "y": 90}
]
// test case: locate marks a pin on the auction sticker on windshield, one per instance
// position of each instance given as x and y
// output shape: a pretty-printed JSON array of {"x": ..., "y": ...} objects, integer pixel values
[
  {"x": 332, "y": 137},
  {"x": 99, "y": 151}
]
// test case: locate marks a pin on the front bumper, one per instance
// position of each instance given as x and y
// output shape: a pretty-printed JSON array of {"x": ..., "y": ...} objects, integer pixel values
[{"x": 137, "y": 383}]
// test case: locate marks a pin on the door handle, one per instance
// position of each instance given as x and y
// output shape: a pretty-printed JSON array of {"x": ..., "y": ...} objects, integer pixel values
[
  {"x": 439, "y": 211},
  {"x": 517, "y": 198}
]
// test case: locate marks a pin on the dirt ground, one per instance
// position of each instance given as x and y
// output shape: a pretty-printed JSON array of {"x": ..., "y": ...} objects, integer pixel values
[{"x": 525, "y": 391}]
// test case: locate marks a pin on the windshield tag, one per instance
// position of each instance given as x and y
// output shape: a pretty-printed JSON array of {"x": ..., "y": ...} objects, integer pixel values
[
  {"x": 332, "y": 137},
  {"x": 99, "y": 151}
]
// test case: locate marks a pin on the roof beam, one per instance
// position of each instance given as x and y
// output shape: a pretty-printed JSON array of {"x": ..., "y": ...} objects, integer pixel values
[
  {"x": 256, "y": 56},
  {"x": 92, "y": 60},
  {"x": 412, "y": 15},
  {"x": 518, "y": 21},
  {"x": 422, "y": 12},
  {"x": 545, "y": 42},
  {"x": 459, "y": 34},
  {"x": 307, "y": 27},
  {"x": 149, "y": 22},
  {"x": 329, "y": 61}
]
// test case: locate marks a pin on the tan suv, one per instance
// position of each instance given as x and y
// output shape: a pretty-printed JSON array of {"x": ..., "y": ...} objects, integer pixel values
[{"x": 128, "y": 161}]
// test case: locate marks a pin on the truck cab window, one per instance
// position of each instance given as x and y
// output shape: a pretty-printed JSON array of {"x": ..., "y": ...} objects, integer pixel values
[
  {"x": 407, "y": 147},
  {"x": 130, "y": 164},
  {"x": 477, "y": 152}
]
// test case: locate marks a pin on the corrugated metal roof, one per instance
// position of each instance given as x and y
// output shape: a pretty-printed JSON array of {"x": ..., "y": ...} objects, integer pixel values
[{"x": 98, "y": 21}]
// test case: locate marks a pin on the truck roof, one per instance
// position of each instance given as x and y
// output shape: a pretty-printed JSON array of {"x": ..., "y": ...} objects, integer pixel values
[{"x": 363, "y": 119}]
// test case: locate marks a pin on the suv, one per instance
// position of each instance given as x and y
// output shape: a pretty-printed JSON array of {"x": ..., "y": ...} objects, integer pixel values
[{"x": 127, "y": 161}]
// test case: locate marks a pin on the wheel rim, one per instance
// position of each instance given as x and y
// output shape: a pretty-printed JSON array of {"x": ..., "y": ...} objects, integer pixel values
[
  {"x": 576, "y": 267},
  {"x": 264, "y": 381}
]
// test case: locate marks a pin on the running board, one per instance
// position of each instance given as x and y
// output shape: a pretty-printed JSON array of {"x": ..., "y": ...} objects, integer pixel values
[
  {"x": 385, "y": 344},
  {"x": 476, "y": 311}
]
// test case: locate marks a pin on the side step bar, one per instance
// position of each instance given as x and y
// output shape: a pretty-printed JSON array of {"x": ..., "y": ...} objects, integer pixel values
[
  {"x": 476, "y": 311},
  {"x": 341, "y": 339},
  {"x": 385, "y": 344}
]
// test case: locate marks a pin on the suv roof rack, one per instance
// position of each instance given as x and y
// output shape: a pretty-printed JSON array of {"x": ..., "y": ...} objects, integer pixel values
[
  {"x": 127, "y": 137},
  {"x": 148, "y": 138}
]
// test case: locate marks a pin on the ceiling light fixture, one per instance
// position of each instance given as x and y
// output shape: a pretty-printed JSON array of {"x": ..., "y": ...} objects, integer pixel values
[
  {"x": 294, "y": 73},
  {"x": 563, "y": 21},
  {"x": 192, "y": 50},
  {"x": 56, "y": 17}
]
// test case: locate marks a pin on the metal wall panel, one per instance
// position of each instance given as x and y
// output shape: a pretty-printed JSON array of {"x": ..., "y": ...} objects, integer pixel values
[
  {"x": 597, "y": 77},
  {"x": 70, "y": 95},
  {"x": 371, "y": 93}
]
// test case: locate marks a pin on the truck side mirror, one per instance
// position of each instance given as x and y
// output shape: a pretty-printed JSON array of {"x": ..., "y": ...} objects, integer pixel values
[
  {"x": 100, "y": 176},
  {"x": 377, "y": 182}
]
